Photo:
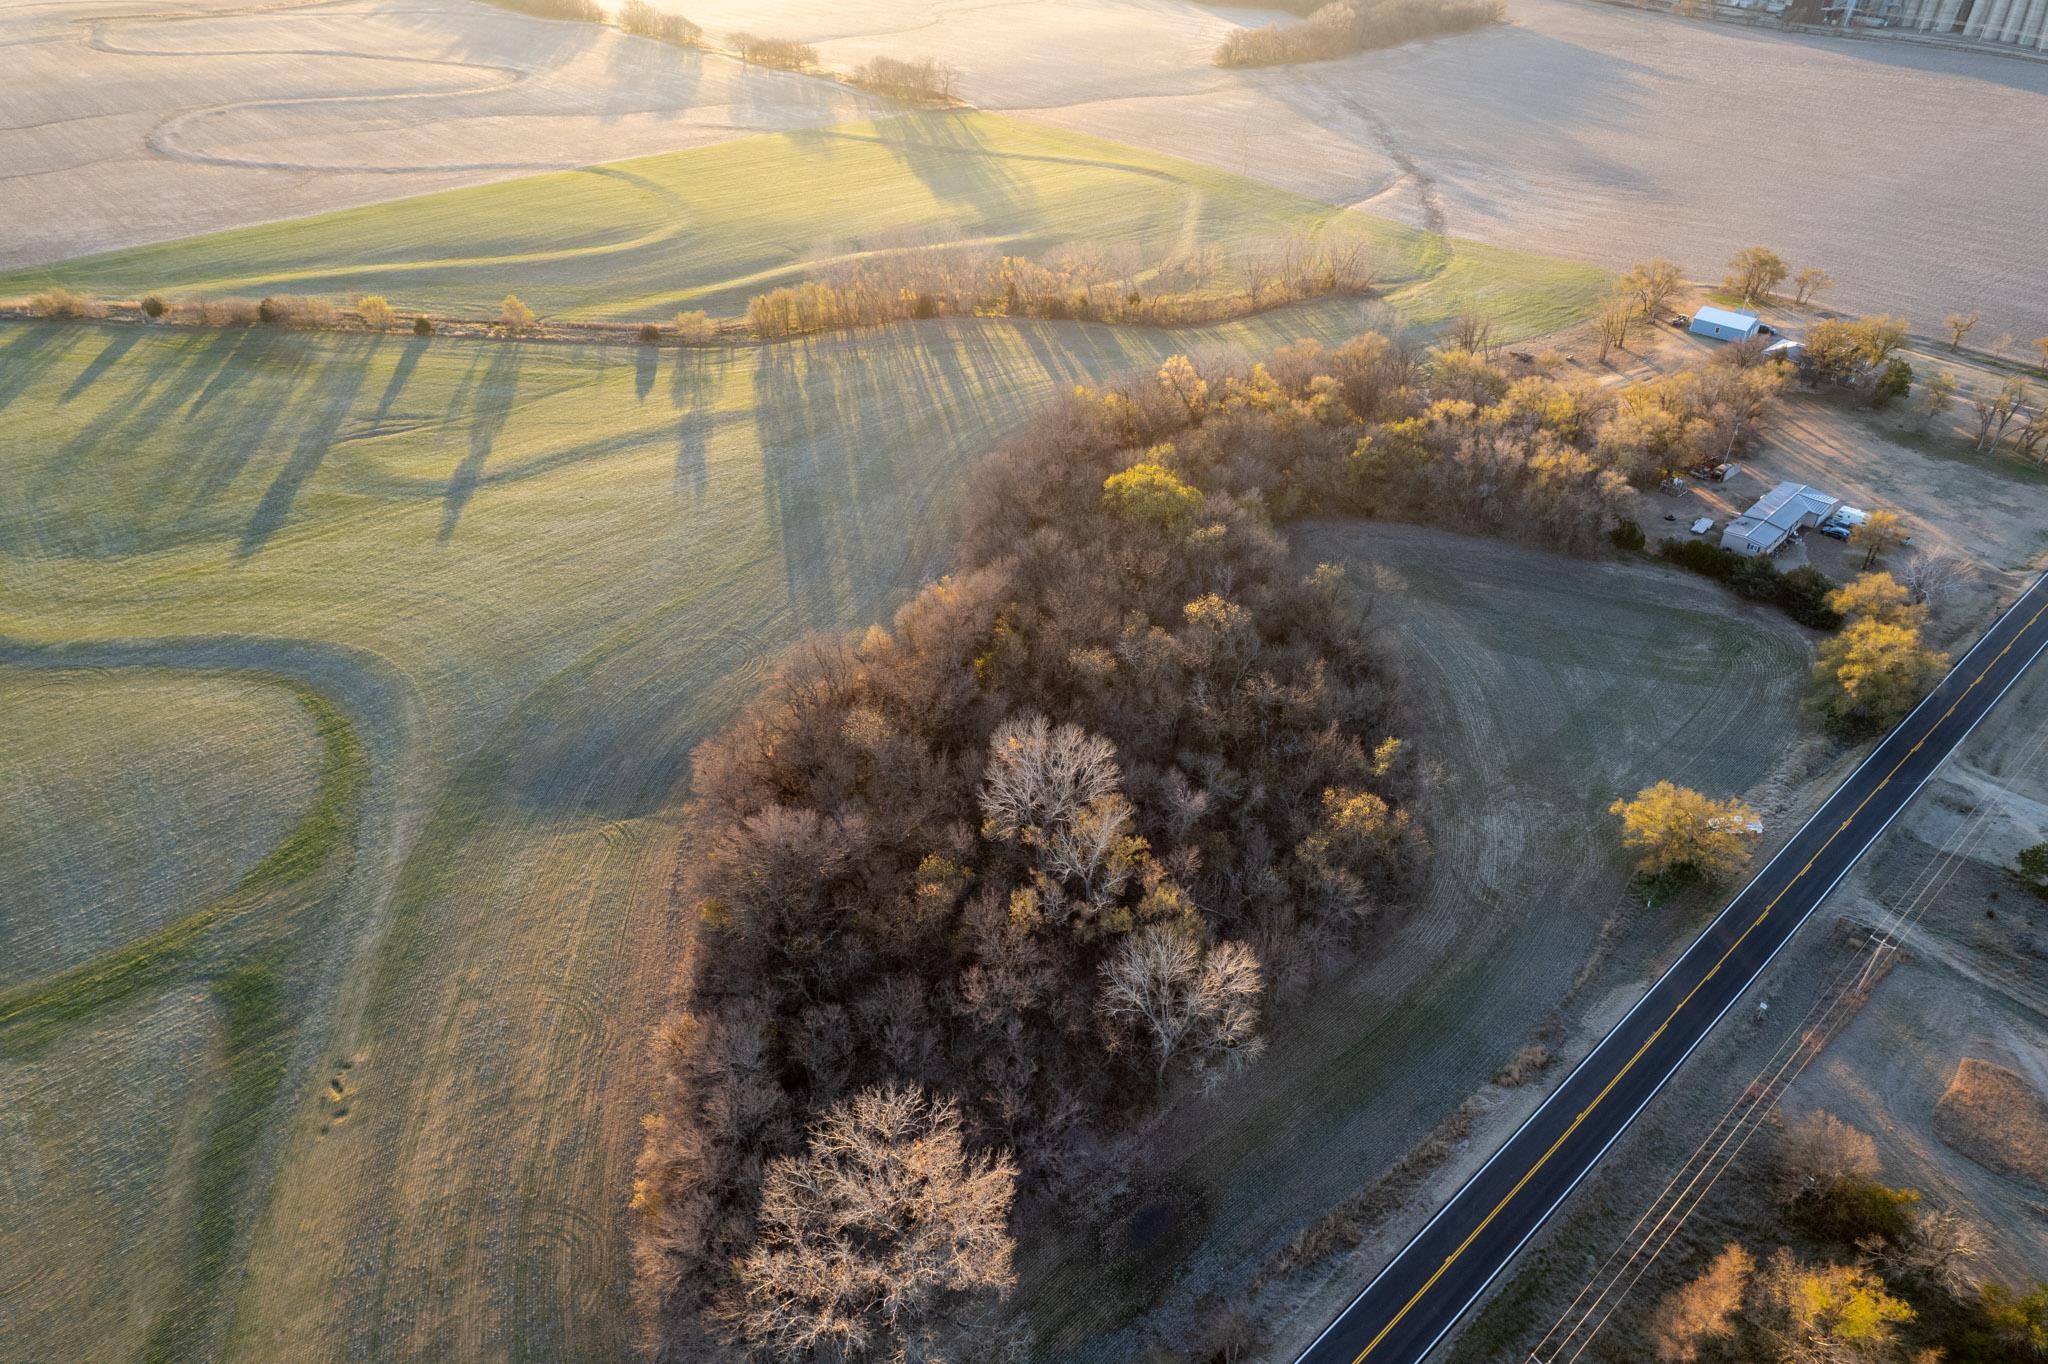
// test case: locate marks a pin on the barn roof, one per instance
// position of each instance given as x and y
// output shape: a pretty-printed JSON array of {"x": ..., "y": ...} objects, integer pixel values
[{"x": 1726, "y": 317}]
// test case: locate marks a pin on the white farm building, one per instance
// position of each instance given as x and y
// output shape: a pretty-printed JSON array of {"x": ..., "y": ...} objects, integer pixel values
[
  {"x": 1725, "y": 324},
  {"x": 1765, "y": 527}
]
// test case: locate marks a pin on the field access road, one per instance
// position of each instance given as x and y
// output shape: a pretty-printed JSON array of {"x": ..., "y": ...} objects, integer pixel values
[{"x": 1414, "y": 1301}]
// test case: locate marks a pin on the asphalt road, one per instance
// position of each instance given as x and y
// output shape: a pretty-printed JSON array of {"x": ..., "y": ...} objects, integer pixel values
[{"x": 1405, "y": 1311}]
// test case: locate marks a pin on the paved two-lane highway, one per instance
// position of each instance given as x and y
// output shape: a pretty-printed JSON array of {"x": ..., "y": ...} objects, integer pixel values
[{"x": 1414, "y": 1301}]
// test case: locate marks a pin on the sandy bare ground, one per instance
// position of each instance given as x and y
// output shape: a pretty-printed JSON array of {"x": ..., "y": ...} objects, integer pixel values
[
  {"x": 1577, "y": 130},
  {"x": 132, "y": 120}
]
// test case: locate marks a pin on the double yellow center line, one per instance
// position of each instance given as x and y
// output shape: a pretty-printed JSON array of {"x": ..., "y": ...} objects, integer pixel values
[{"x": 1733, "y": 947}]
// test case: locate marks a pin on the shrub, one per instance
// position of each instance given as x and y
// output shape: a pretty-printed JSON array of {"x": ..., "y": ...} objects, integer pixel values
[
  {"x": 422, "y": 327},
  {"x": 1801, "y": 594},
  {"x": 1703, "y": 557},
  {"x": 650, "y": 334},
  {"x": 154, "y": 307},
  {"x": 695, "y": 328},
  {"x": 644, "y": 20},
  {"x": 374, "y": 310},
  {"x": 295, "y": 310},
  {"x": 1896, "y": 381},
  {"x": 1627, "y": 536},
  {"x": 2032, "y": 866},
  {"x": 218, "y": 312},
  {"x": 58, "y": 301},
  {"x": 782, "y": 53},
  {"x": 515, "y": 315},
  {"x": 1804, "y": 593},
  {"x": 1854, "y": 1211}
]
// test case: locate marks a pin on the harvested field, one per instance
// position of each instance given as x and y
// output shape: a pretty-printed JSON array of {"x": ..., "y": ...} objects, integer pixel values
[
  {"x": 1997, "y": 1119},
  {"x": 1575, "y": 129},
  {"x": 1543, "y": 688},
  {"x": 127, "y": 122},
  {"x": 709, "y": 228}
]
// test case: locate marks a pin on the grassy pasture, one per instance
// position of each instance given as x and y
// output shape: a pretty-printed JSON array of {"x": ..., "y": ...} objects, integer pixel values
[
  {"x": 527, "y": 579},
  {"x": 494, "y": 593},
  {"x": 710, "y": 227}
]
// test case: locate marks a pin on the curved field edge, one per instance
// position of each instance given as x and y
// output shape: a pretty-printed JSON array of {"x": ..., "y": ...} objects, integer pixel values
[
  {"x": 709, "y": 226},
  {"x": 28, "y": 1012},
  {"x": 134, "y": 798}
]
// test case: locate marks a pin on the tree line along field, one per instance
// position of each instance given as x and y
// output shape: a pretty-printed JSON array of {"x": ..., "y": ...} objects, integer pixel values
[
  {"x": 450, "y": 616},
  {"x": 711, "y": 227}
]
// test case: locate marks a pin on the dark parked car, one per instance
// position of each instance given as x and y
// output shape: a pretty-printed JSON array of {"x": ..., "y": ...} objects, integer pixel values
[{"x": 1835, "y": 530}]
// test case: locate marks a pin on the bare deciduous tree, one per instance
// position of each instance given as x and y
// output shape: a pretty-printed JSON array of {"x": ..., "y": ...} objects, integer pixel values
[
  {"x": 1203, "y": 1005},
  {"x": 1938, "y": 394},
  {"x": 1938, "y": 1249},
  {"x": 1754, "y": 273},
  {"x": 1809, "y": 284},
  {"x": 1651, "y": 284},
  {"x": 1928, "y": 578},
  {"x": 877, "y": 1236},
  {"x": 1039, "y": 775},
  {"x": 1703, "y": 1308},
  {"x": 1820, "y": 1152},
  {"x": 1959, "y": 326},
  {"x": 1472, "y": 333}
]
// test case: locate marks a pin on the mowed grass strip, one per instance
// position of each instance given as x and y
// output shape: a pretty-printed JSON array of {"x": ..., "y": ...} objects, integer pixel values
[{"x": 710, "y": 227}]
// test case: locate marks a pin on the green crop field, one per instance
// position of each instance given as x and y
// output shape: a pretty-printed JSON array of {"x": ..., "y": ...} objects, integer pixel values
[
  {"x": 360, "y": 676},
  {"x": 711, "y": 227}
]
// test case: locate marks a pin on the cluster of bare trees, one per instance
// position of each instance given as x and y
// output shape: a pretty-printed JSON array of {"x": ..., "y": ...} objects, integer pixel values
[
  {"x": 785, "y": 54},
  {"x": 645, "y": 21},
  {"x": 1053, "y": 845},
  {"x": 1037, "y": 853},
  {"x": 2011, "y": 413},
  {"x": 1347, "y": 26},
  {"x": 922, "y": 79},
  {"x": 1101, "y": 282}
]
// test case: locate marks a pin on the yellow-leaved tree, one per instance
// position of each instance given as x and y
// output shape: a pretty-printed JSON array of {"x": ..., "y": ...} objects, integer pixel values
[
  {"x": 1874, "y": 672},
  {"x": 1150, "y": 492},
  {"x": 1681, "y": 832}
]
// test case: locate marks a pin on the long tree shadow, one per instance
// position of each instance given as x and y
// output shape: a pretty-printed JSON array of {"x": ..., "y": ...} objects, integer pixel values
[
  {"x": 117, "y": 346},
  {"x": 948, "y": 153},
  {"x": 333, "y": 393},
  {"x": 243, "y": 345},
  {"x": 21, "y": 359},
  {"x": 491, "y": 406},
  {"x": 644, "y": 366},
  {"x": 401, "y": 374},
  {"x": 806, "y": 480},
  {"x": 693, "y": 391}
]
